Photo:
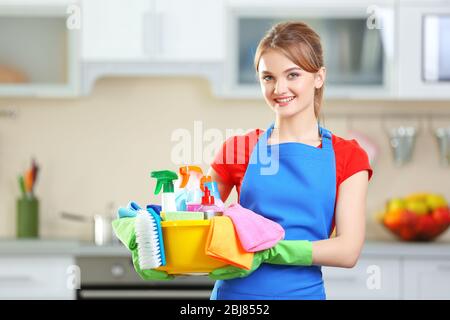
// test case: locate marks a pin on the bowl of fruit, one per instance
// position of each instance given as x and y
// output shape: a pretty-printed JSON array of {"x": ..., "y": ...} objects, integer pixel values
[{"x": 417, "y": 217}]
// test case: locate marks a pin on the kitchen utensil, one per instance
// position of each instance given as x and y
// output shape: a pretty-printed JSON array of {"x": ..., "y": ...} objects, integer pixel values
[
  {"x": 101, "y": 224},
  {"x": 443, "y": 139},
  {"x": 402, "y": 140},
  {"x": 22, "y": 186},
  {"x": 29, "y": 181},
  {"x": 34, "y": 173}
]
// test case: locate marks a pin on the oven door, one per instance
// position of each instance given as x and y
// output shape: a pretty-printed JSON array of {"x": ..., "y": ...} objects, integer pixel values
[
  {"x": 134, "y": 292},
  {"x": 115, "y": 278}
]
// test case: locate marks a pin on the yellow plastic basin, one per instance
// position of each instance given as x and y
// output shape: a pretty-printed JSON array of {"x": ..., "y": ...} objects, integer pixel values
[{"x": 184, "y": 245}]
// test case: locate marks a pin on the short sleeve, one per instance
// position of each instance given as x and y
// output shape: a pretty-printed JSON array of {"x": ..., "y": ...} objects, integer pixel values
[
  {"x": 356, "y": 160},
  {"x": 219, "y": 163},
  {"x": 231, "y": 161}
]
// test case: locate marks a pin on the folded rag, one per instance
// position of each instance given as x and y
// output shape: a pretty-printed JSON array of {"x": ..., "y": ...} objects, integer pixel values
[
  {"x": 223, "y": 244},
  {"x": 255, "y": 232}
]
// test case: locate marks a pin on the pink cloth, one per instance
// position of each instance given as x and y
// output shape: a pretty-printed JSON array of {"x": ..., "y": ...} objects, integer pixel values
[{"x": 255, "y": 232}]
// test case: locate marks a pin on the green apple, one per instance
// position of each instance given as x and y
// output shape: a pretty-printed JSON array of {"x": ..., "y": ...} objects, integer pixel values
[
  {"x": 395, "y": 204},
  {"x": 418, "y": 207},
  {"x": 435, "y": 201}
]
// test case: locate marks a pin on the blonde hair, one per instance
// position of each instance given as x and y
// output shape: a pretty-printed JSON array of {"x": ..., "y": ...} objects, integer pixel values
[{"x": 300, "y": 44}]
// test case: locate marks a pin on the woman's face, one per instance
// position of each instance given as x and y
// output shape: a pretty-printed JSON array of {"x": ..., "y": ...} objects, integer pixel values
[{"x": 287, "y": 88}]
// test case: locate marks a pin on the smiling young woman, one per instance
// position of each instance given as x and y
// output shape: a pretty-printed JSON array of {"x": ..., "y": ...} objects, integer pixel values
[
  {"x": 320, "y": 183},
  {"x": 289, "y": 63}
]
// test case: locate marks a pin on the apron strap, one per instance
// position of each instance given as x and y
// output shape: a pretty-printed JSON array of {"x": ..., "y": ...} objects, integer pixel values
[
  {"x": 326, "y": 138},
  {"x": 324, "y": 133}
]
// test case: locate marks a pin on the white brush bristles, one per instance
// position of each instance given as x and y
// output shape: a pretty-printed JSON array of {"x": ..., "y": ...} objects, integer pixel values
[{"x": 147, "y": 241}]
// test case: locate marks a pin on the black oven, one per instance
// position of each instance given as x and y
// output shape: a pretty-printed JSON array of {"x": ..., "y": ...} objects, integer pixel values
[{"x": 115, "y": 278}]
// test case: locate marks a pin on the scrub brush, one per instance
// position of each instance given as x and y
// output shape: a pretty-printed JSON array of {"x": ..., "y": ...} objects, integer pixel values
[{"x": 149, "y": 240}]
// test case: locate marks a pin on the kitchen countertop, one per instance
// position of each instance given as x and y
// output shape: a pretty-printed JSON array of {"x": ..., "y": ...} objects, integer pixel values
[
  {"x": 406, "y": 249},
  {"x": 82, "y": 248},
  {"x": 58, "y": 247}
]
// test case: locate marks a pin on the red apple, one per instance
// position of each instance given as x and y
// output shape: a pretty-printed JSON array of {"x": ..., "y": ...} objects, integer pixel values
[
  {"x": 441, "y": 215},
  {"x": 407, "y": 234},
  {"x": 425, "y": 225},
  {"x": 408, "y": 225},
  {"x": 409, "y": 219}
]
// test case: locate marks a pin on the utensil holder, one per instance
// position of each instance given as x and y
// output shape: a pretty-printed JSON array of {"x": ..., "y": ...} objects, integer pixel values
[
  {"x": 402, "y": 141},
  {"x": 27, "y": 218},
  {"x": 443, "y": 139}
]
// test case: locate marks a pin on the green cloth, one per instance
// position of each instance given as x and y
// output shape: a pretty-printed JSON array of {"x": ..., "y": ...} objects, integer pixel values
[
  {"x": 124, "y": 230},
  {"x": 285, "y": 252}
]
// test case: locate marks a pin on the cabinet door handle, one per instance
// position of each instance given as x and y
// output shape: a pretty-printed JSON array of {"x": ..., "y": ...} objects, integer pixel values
[
  {"x": 341, "y": 279},
  {"x": 10, "y": 279}
]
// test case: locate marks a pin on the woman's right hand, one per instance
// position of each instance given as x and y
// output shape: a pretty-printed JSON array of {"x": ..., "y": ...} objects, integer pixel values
[
  {"x": 149, "y": 274},
  {"x": 124, "y": 230}
]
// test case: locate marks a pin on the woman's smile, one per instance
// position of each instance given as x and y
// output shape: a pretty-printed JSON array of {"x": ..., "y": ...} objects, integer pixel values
[{"x": 284, "y": 101}]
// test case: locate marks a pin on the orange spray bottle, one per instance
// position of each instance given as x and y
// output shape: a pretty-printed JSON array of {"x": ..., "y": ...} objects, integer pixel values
[{"x": 190, "y": 181}]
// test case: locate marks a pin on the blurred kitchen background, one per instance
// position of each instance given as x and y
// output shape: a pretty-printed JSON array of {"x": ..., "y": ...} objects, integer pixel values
[{"x": 94, "y": 90}]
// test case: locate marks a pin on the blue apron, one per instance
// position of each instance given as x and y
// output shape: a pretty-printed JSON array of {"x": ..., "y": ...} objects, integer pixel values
[{"x": 293, "y": 184}]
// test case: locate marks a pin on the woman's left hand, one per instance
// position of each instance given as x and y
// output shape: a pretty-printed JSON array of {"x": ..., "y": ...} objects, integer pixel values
[
  {"x": 285, "y": 252},
  {"x": 232, "y": 272}
]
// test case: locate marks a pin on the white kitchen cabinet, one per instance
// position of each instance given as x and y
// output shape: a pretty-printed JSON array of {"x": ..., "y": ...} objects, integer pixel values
[
  {"x": 426, "y": 279},
  {"x": 371, "y": 278},
  {"x": 152, "y": 30},
  {"x": 37, "y": 277},
  {"x": 193, "y": 30},
  {"x": 152, "y": 38},
  {"x": 39, "y": 53},
  {"x": 113, "y": 29}
]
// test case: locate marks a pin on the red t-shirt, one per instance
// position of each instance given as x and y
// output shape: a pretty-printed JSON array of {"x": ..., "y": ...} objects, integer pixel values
[{"x": 231, "y": 161}]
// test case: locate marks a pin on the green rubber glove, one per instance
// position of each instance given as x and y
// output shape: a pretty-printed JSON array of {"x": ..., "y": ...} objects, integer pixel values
[
  {"x": 124, "y": 230},
  {"x": 149, "y": 274},
  {"x": 285, "y": 252},
  {"x": 232, "y": 272}
]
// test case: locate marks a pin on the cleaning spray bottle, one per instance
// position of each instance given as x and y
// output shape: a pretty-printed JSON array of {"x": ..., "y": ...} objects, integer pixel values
[
  {"x": 208, "y": 207},
  {"x": 180, "y": 196},
  {"x": 207, "y": 181},
  {"x": 165, "y": 180},
  {"x": 191, "y": 176}
]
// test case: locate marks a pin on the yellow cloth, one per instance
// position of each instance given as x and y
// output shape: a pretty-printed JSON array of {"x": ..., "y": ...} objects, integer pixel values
[{"x": 223, "y": 244}]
